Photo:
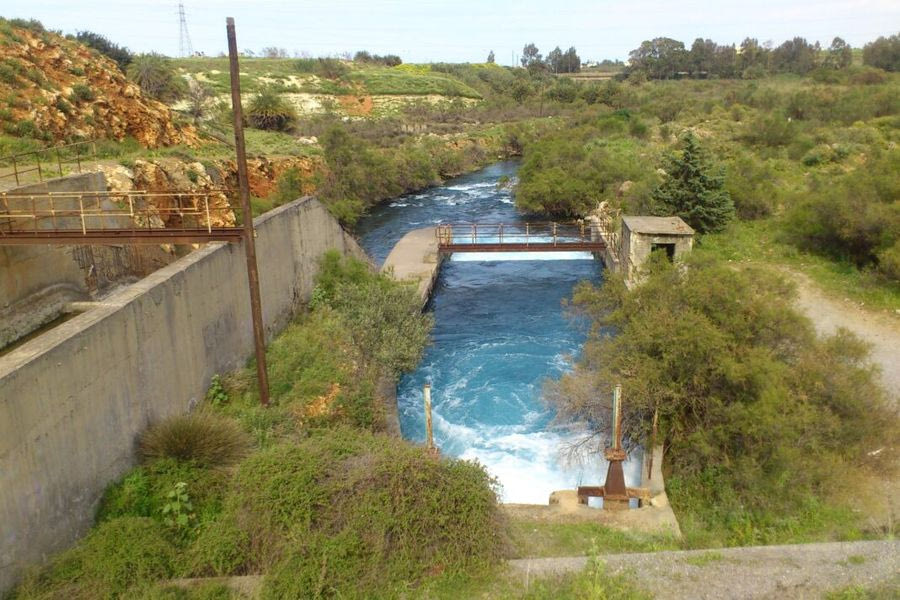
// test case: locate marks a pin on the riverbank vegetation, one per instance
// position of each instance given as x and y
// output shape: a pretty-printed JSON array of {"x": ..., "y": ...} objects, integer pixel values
[
  {"x": 307, "y": 492},
  {"x": 766, "y": 426}
]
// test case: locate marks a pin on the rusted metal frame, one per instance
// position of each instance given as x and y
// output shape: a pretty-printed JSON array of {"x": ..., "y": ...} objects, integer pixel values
[
  {"x": 519, "y": 246},
  {"x": 116, "y": 236},
  {"x": 244, "y": 193}
]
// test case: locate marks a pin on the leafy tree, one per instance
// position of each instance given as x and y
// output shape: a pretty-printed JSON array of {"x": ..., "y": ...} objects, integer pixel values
[
  {"x": 795, "y": 56},
  {"x": 490, "y": 58},
  {"x": 751, "y": 58},
  {"x": 839, "y": 55},
  {"x": 694, "y": 190},
  {"x": 573, "y": 61},
  {"x": 120, "y": 54},
  {"x": 659, "y": 58},
  {"x": 883, "y": 53},
  {"x": 157, "y": 77},
  {"x": 531, "y": 57},
  {"x": 554, "y": 60}
]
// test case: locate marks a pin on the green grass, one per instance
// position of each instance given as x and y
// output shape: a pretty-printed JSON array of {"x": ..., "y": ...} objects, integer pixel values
[
  {"x": 758, "y": 242},
  {"x": 533, "y": 539},
  {"x": 402, "y": 82},
  {"x": 595, "y": 581}
]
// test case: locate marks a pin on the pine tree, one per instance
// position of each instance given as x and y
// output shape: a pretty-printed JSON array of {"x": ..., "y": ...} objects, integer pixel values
[{"x": 693, "y": 189}]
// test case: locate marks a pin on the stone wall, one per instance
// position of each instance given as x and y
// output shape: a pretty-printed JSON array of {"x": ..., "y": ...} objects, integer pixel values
[{"x": 74, "y": 400}]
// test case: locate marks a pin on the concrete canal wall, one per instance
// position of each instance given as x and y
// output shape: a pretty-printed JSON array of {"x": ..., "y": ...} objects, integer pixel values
[{"x": 74, "y": 400}]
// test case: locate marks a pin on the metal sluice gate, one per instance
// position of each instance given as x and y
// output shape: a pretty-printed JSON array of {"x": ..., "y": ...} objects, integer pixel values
[{"x": 520, "y": 237}]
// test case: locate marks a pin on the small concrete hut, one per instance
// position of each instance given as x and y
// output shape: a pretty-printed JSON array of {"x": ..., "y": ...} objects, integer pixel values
[{"x": 643, "y": 235}]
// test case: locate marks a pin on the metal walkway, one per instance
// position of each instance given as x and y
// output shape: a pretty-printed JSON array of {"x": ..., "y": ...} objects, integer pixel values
[
  {"x": 133, "y": 217},
  {"x": 519, "y": 237}
]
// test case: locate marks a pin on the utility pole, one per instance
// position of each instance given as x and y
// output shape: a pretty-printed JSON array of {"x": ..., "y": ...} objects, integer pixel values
[
  {"x": 249, "y": 241},
  {"x": 184, "y": 38}
]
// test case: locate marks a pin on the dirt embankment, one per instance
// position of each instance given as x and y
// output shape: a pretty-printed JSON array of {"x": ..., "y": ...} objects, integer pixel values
[
  {"x": 59, "y": 89},
  {"x": 168, "y": 175}
]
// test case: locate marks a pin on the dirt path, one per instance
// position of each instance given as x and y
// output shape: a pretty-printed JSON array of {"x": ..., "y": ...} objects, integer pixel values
[
  {"x": 882, "y": 330},
  {"x": 796, "y": 571}
]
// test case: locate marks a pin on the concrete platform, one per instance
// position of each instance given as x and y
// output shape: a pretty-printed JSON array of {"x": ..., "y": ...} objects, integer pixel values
[{"x": 415, "y": 258}]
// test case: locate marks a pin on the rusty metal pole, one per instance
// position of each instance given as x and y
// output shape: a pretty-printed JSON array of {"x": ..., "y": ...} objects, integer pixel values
[
  {"x": 249, "y": 242},
  {"x": 429, "y": 432}
]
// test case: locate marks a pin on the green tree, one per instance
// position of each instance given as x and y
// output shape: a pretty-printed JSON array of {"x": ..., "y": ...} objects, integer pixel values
[
  {"x": 659, "y": 58},
  {"x": 883, "y": 53},
  {"x": 795, "y": 56},
  {"x": 839, "y": 55},
  {"x": 101, "y": 44},
  {"x": 694, "y": 190},
  {"x": 532, "y": 58}
]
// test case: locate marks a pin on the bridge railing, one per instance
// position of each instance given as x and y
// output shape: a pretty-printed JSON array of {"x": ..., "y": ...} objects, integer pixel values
[
  {"x": 98, "y": 217},
  {"x": 519, "y": 236}
]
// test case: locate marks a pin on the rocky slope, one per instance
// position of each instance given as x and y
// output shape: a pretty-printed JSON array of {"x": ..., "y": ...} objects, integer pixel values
[
  {"x": 58, "y": 89},
  {"x": 167, "y": 175}
]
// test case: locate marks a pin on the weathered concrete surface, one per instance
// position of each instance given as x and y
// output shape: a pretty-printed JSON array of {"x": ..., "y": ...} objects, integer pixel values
[
  {"x": 37, "y": 281},
  {"x": 641, "y": 234},
  {"x": 795, "y": 571},
  {"x": 656, "y": 517},
  {"x": 415, "y": 258},
  {"x": 72, "y": 401}
]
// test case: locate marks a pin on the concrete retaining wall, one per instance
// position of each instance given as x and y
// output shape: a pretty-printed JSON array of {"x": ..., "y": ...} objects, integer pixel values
[
  {"x": 73, "y": 400},
  {"x": 36, "y": 282}
]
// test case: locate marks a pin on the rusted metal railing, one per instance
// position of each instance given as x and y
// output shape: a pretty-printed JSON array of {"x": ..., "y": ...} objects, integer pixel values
[
  {"x": 46, "y": 161},
  {"x": 519, "y": 237},
  {"x": 118, "y": 217}
]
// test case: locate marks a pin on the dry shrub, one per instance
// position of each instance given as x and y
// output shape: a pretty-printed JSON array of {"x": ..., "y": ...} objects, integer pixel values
[{"x": 202, "y": 437}]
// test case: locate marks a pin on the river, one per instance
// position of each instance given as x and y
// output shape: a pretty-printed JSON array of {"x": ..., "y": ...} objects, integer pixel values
[{"x": 500, "y": 333}]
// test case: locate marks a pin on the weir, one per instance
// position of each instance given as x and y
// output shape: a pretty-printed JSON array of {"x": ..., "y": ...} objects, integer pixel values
[{"x": 495, "y": 285}]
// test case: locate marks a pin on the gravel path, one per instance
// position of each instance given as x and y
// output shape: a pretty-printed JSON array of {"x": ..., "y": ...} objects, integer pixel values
[
  {"x": 796, "y": 571},
  {"x": 880, "y": 329}
]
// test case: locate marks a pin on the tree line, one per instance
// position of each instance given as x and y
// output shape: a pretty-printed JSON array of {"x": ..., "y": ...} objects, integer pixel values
[{"x": 667, "y": 58}]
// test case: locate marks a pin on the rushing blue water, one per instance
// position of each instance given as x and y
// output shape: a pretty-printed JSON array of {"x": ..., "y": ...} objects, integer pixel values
[{"x": 500, "y": 333}]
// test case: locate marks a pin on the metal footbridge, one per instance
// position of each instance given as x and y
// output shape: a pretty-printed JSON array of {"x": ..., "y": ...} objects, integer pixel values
[{"x": 519, "y": 237}]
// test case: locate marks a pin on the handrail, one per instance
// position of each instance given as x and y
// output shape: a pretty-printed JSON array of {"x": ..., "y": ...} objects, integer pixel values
[
  {"x": 18, "y": 169},
  {"x": 474, "y": 237},
  {"x": 104, "y": 216}
]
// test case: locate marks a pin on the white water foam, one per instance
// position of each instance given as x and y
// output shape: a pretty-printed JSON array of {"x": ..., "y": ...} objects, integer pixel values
[
  {"x": 530, "y": 464},
  {"x": 507, "y": 256}
]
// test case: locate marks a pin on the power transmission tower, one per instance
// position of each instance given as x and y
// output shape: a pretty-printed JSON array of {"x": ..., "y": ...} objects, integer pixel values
[{"x": 184, "y": 42}]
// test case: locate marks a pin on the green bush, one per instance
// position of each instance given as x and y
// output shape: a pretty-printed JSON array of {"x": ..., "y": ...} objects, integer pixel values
[
  {"x": 82, "y": 93},
  {"x": 113, "y": 561},
  {"x": 852, "y": 218},
  {"x": 157, "y": 77},
  {"x": 144, "y": 491},
  {"x": 733, "y": 370},
  {"x": 200, "y": 437},
  {"x": 270, "y": 111},
  {"x": 121, "y": 55},
  {"x": 383, "y": 316},
  {"x": 353, "y": 514}
]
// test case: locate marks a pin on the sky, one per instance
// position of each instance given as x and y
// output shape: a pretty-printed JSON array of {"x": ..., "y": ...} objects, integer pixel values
[{"x": 460, "y": 30}]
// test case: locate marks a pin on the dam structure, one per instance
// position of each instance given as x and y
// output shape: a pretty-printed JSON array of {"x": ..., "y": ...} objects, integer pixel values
[{"x": 501, "y": 332}]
